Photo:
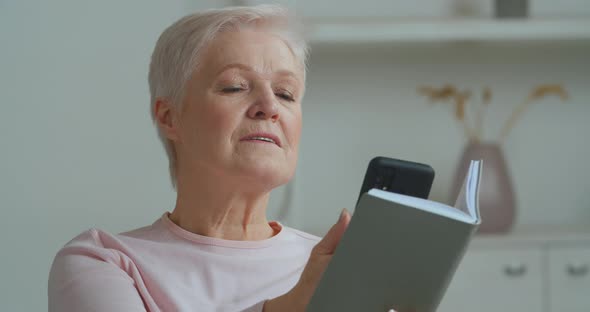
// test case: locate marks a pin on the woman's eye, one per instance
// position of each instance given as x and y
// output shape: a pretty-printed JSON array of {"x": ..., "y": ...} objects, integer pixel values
[
  {"x": 285, "y": 96},
  {"x": 232, "y": 89}
]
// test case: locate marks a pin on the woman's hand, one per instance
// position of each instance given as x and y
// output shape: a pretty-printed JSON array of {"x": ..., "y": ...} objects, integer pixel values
[{"x": 298, "y": 298}]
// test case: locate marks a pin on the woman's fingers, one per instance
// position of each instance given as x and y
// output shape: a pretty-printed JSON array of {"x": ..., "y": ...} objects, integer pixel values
[{"x": 320, "y": 257}]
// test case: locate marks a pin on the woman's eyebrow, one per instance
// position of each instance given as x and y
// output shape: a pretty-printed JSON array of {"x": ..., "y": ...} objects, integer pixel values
[
  {"x": 287, "y": 73},
  {"x": 234, "y": 65},
  {"x": 282, "y": 72}
]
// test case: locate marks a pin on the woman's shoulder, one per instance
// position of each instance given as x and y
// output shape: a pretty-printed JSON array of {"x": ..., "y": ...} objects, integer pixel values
[
  {"x": 92, "y": 245},
  {"x": 90, "y": 238},
  {"x": 86, "y": 252},
  {"x": 99, "y": 242},
  {"x": 95, "y": 244},
  {"x": 82, "y": 268},
  {"x": 100, "y": 238},
  {"x": 95, "y": 249}
]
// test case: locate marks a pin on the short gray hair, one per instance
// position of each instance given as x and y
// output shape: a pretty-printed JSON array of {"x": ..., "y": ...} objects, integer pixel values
[{"x": 177, "y": 51}]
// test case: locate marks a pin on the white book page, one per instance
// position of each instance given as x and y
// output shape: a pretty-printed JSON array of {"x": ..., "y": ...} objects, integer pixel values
[
  {"x": 473, "y": 196},
  {"x": 467, "y": 199}
]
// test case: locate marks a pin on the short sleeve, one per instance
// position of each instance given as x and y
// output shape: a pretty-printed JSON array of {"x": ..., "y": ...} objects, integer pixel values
[{"x": 84, "y": 277}]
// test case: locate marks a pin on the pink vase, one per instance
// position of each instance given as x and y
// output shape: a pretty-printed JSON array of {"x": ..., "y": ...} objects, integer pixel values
[{"x": 496, "y": 197}]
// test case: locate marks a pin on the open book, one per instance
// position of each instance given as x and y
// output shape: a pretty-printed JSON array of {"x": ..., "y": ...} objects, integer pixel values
[{"x": 399, "y": 252}]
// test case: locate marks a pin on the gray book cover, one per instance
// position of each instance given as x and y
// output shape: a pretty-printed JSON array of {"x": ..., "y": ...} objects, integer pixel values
[{"x": 399, "y": 252}]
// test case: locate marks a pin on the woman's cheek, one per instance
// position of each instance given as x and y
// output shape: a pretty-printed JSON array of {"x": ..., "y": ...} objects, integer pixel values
[{"x": 294, "y": 130}]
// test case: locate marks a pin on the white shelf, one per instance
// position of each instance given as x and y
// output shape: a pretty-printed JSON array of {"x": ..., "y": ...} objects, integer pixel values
[{"x": 351, "y": 30}]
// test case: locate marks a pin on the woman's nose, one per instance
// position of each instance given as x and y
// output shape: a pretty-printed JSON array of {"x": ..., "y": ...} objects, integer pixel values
[{"x": 265, "y": 106}]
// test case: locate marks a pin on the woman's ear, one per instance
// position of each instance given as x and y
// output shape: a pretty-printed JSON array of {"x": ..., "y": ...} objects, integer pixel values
[{"x": 166, "y": 117}]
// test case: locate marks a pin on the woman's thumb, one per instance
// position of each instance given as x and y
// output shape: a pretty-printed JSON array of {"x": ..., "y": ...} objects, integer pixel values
[
  {"x": 320, "y": 257},
  {"x": 328, "y": 244}
]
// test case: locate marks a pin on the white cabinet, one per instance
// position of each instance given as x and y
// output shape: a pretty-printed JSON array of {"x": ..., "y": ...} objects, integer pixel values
[
  {"x": 546, "y": 274},
  {"x": 497, "y": 280},
  {"x": 569, "y": 275}
]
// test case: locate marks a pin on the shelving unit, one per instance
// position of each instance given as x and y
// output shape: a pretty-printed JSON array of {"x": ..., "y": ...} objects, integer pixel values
[{"x": 356, "y": 30}]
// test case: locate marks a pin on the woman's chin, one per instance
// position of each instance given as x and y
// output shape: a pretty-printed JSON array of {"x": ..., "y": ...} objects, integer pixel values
[{"x": 266, "y": 174}]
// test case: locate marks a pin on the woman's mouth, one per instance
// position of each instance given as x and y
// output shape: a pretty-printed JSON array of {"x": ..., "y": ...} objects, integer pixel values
[{"x": 262, "y": 137}]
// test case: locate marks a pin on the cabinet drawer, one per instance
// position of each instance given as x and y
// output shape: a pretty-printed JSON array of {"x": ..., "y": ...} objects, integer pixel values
[
  {"x": 569, "y": 271},
  {"x": 497, "y": 280}
]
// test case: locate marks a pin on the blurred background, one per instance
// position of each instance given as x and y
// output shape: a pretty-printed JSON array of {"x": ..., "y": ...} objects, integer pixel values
[{"x": 78, "y": 149}]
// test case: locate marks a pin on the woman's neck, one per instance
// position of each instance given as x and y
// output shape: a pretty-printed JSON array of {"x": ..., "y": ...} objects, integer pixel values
[{"x": 211, "y": 207}]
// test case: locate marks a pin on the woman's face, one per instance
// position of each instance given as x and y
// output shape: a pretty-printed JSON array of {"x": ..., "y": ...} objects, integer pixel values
[{"x": 241, "y": 113}]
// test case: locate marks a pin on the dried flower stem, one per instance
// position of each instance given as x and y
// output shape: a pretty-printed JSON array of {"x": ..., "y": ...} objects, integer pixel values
[
  {"x": 461, "y": 103},
  {"x": 537, "y": 94},
  {"x": 516, "y": 114},
  {"x": 486, "y": 96},
  {"x": 449, "y": 93}
]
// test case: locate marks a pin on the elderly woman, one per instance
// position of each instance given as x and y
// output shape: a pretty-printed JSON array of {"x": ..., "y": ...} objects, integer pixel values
[{"x": 226, "y": 88}]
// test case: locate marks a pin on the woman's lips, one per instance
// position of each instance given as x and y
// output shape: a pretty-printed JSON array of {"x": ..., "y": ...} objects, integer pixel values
[{"x": 262, "y": 137}]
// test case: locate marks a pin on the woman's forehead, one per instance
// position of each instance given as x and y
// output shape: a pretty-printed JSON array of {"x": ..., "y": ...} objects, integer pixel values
[{"x": 257, "y": 51}]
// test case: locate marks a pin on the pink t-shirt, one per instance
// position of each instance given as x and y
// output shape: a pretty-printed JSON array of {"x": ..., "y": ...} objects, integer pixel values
[{"x": 163, "y": 267}]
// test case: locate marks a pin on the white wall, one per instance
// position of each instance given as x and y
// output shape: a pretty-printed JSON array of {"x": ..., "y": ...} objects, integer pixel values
[
  {"x": 362, "y": 102},
  {"x": 78, "y": 149},
  {"x": 77, "y": 145}
]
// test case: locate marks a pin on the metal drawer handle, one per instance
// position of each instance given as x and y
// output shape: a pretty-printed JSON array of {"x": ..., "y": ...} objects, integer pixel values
[
  {"x": 577, "y": 270},
  {"x": 515, "y": 270}
]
